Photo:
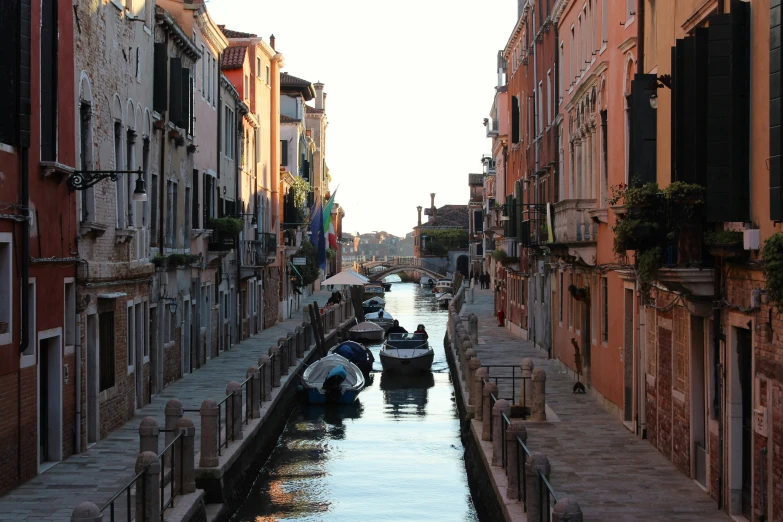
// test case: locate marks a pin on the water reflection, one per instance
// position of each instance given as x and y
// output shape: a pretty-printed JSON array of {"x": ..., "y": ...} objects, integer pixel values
[{"x": 394, "y": 455}]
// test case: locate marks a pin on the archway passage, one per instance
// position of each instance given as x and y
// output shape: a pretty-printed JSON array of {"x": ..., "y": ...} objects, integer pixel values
[
  {"x": 379, "y": 276},
  {"x": 463, "y": 265}
]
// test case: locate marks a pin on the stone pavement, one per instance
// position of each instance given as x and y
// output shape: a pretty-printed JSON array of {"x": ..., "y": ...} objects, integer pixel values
[
  {"x": 107, "y": 466},
  {"x": 595, "y": 459}
]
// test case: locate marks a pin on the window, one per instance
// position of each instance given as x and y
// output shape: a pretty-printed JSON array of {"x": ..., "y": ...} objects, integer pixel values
[
  {"x": 258, "y": 66},
  {"x": 284, "y": 153},
  {"x": 515, "y": 119},
  {"x": 6, "y": 290},
  {"x": 630, "y": 9},
  {"x": 230, "y": 126},
  {"x": 130, "y": 179},
  {"x": 539, "y": 107},
  {"x": 85, "y": 149},
  {"x": 171, "y": 214},
  {"x": 120, "y": 181},
  {"x": 138, "y": 64},
  {"x": 246, "y": 93},
  {"x": 571, "y": 306},
  {"x": 48, "y": 79},
  {"x": 268, "y": 76},
  {"x": 560, "y": 74},
  {"x": 106, "y": 350},
  {"x": 549, "y": 96},
  {"x": 560, "y": 299},
  {"x": 153, "y": 188},
  {"x": 213, "y": 81},
  {"x": 572, "y": 58},
  {"x": 188, "y": 214},
  {"x": 131, "y": 336},
  {"x": 209, "y": 78},
  {"x": 203, "y": 68},
  {"x": 605, "y": 23},
  {"x": 144, "y": 327},
  {"x": 31, "y": 308},
  {"x": 70, "y": 313},
  {"x": 145, "y": 168},
  {"x": 604, "y": 310}
]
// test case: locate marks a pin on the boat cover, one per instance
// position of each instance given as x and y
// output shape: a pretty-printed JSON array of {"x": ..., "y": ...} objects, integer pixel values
[
  {"x": 374, "y": 301},
  {"x": 366, "y": 327},
  {"x": 352, "y": 351},
  {"x": 376, "y": 315},
  {"x": 318, "y": 372}
]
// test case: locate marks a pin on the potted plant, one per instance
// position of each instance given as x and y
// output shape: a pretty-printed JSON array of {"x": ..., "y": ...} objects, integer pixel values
[
  {"x": 577, "y": 293},
  {"x": 177, "y": 260},
  {"x": 191, "y": 148},
  {"x": 772, "y": 256},
  {"x": 226, "y": 226},
  {"x": 725, "y": 243},
  {"x": 174, "y": 134},
  {"x": 159, "y": 260},
  {"x": 192, "y": 258},
  {"x": 499, "y": 255},
  {"x": 179, "y": 141}
]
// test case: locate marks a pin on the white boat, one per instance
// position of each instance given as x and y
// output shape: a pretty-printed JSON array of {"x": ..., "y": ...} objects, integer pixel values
[
  {"x": 332, "y": 379},
  {"x": 443, "y": 286},
  {"x": 427, "y": 281},
  {"x": 367, "y": 331},
  {"x": 444, "y": 299},
  {"x": 406, "y": 353},
  {"x": 382, "y": 318}
]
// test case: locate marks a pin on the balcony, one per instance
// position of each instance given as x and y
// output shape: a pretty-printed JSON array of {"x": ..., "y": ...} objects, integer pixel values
[
  {"x": 221, "y": 242},
  {"x": 492, "y": 221},
  {"x": 573, "y": 222},
  {"x": 260, "y": 252},
  {"x": 493, "y": 128}
]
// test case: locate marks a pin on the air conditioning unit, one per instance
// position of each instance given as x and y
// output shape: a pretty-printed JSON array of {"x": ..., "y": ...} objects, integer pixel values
[{"x": 751, "y": 239}]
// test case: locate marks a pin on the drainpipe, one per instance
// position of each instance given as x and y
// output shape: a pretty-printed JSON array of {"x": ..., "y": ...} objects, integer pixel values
[
  {"x": 78, "y": 350},
  {"x": 25, "y": 274}
]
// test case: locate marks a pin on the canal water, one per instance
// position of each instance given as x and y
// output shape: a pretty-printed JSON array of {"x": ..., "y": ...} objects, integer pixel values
[{"x": 395, "y": 455}]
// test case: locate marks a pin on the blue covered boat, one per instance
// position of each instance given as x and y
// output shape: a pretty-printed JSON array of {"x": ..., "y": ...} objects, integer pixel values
[
  {"x": 356, "y": 353},
  {"x": 333, "y": 379}
]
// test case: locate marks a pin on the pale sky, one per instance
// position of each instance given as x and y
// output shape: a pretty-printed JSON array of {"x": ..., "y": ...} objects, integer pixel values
[{"x": 408, "y": 83}]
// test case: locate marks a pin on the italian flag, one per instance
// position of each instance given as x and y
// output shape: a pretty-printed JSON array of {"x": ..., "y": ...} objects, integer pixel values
[{"x": 328, "y": 225}]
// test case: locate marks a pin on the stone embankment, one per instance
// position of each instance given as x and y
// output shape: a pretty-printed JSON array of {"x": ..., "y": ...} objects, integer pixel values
[
  {"x": 535, "y": 450},
  {"x": 194, "y": 452}
]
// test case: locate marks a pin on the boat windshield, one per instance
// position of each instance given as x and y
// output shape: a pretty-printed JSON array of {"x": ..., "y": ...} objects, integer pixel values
[{"x": 406, "y": 337}]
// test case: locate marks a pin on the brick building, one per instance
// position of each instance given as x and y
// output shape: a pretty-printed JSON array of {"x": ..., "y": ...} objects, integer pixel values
[{"x": 38, "y": 341}]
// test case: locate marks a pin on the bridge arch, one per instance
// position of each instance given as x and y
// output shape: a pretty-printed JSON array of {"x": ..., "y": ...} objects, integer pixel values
[{"x": 379, "y": 276}]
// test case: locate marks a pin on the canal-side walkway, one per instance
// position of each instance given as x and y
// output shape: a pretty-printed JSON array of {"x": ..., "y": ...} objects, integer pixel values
[
  {"x": 107, "y": 466},
  {"x": 595, "y": 459}
]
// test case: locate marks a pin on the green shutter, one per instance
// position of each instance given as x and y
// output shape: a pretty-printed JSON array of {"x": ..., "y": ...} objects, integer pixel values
[
  {"x": 160, "y": 79},
  {"x": 644, "y": 122},
  {"x": 775, "y": 67}
]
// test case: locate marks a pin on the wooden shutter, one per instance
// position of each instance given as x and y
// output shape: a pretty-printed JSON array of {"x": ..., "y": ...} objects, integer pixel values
[
  {"x": 106, "y": 348},
  {"x": 48, "y": 68},
  {"x": 519, "y": 215},
  {"x": 728, "y": 115},
  {"x": 689, "y": 109},
  {"x": 775, "y": 107},
  {"x": 644, "y": 121},
  {"x": 186, "y": 101},
  {"x": 175, "y": 91},
  {"x": 194, "y": 206},
  {"x": 478, "y": 220},
  {"x": 514, "y": 120},
  {"x": 9, "y": 60},
  {"x": 160, "y": 80}
]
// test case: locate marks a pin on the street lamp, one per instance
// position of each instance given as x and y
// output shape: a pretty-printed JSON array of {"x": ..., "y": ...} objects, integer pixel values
[
  {"x": 253, "y": 220},
  {"x": 84, "y": 179},
  {"x": 665, "y": 80}
]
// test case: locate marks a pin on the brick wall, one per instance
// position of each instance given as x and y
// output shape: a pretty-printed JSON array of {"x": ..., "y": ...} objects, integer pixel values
[
  {"x": 172, "y": 359},
  {"x": 271, "y": 297}
]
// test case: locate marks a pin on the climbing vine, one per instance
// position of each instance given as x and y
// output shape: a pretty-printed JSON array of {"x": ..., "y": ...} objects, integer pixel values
[
  {"x": 772, "y": 255},
  {"x": 301, "y": 189}
]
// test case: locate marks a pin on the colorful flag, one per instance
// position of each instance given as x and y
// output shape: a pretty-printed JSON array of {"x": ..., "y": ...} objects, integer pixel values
[
  {"x": 328, "y": 212},
  {"x": 316, "y": 223},
  {"x": 332, "y": 237}
]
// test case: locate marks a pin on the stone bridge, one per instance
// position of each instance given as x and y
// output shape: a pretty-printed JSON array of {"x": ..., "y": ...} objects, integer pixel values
[{"x": 377, "y": 270}]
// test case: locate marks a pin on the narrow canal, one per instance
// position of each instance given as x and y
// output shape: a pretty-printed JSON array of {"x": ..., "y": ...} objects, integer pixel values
[{"x": 395, "y": 455}]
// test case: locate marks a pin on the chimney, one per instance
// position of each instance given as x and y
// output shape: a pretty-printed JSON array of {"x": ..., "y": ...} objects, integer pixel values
[
  {"x": 419, "y": 209},
  {"x": 432, "y": 202},
  {"x": 320, "y": 96},
  {"x": 272, "y": 41}
]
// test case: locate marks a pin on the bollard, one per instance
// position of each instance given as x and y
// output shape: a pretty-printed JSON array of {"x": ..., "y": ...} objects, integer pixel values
[
  {"x": 306, "y": 332},
  {"x": 292, "y": 350},
  {"x": 208, "y": 456},
  {"x": 86, "y": 512},
  {"x": 501, "y": 407},
  {"x": 299, "y": 337},
  {"x": 470, "y": 353},
  {"x": 536, "y": 463},
  {"x": 516, "y": 430},
  {"x": 478, "y": 391},
  {"x": 538, "y": 408},
  {"x": 148, "y": 435},
  {"x": 274, "y": 354},
  {"x": 184, "y": 457},
  {"x": 473, "y": 328},
  {"x": 567, "y": 510},
  {"x": 265, "y": 369},
  {"x": 473, "y": 365},
  {"x": 489, "y": 389},
  {"x": 148, "y": 487},
  {"x": 234, "y": 411},
  {"x": 174, "y": 412},
  {"x": 465, "y": 345},
  {"x": 471, "y": 295},
  {"x": 526, "y": 387},
  {"x": 254, "y": 387},
  {"x": 282, "y": 346}
]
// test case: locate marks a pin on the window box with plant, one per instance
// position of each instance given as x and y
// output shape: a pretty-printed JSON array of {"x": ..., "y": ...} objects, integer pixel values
[
  {"x": 726, "y": 244},
  {"x": 226, "y": 230},
  {"x": 177, "y": 260},
  {"x": 652, "y": 224},
  {"x": 159, "y": 261},
  {"x": 772, "y": 257}
]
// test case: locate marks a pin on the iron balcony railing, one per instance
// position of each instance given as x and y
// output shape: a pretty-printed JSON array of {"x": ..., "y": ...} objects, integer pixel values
[
  {"x": 221, "y": 241},
  {"x": 259, "y": 252}
]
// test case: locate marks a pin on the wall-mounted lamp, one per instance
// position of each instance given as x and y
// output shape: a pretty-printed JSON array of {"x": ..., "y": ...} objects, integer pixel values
[
  {"x": 665, "y": 80},
  {"x": 172, "y": 303},
  {"x": 84, "y": 179}
]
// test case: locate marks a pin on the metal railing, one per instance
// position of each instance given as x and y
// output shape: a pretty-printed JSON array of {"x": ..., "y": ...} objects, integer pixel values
[
  {"x": 130, "y": 505},
  {"x": 513, "y": 377},
  {"x": 223, "y": 406},
  {"x": 247, "y": 386},
  {"x": 547, "y": 497},
  {"x": 174, "y": 445}
]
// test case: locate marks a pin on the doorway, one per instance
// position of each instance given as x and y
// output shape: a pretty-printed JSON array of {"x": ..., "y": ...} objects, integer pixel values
[
  {"x": 93, "y": 422},
  {"x": 627, "y": 353},
  {"x": 698, "y": 401},
  {"x": 740, "y": 422},
  {"x": 185, "y": 341},
  {"x": 49, "y": 402}
]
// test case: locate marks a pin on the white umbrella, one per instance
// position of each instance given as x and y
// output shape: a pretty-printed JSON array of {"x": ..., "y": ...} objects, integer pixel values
[{"x": 345, "y": 278}]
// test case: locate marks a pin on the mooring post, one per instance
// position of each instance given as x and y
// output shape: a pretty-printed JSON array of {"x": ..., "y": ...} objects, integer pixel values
[
  {"x": 526, "y": 387},
  {"x": 567, "y": 510},
  {"x": 274, "y": 355},
  {"x": 148, "y": 487},
  {"x": 538, "y": 410},
  {"x": 184, "y": 458},
  {"x": 86, "y": 512},
  {"x": 265, "y": 368},
  {"x": 254, "y": 397},
  {"x": 174, "y": 412},
  {"x": 490, "y": 389},
  {"x": 501, "y": 407},
  {"x": 516, "y": 430},
  {"x": 149, "y": 432},
  {"x": 537, "y": 463},
  {"x": 234, "y": 417},
  {"x": 478, "y": 391},
  {"x": 208, "y": 456}
]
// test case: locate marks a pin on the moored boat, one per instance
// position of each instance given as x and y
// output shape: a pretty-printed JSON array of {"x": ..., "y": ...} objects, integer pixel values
[
  {"x": 444, "y": 299},
  {"x": 357, "y": 353},
  {"x": 382, "y": 318},
  {"x": 333, "y": 379},
  {"x": 373, "y": 305},
  {"x": 371, "y": 290},
  {"x": 443, "y": 286},
  {"x": 427, "y": 281},
  {"x": 406, "y": 353},
  {"x": 366, "y": 331}
]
